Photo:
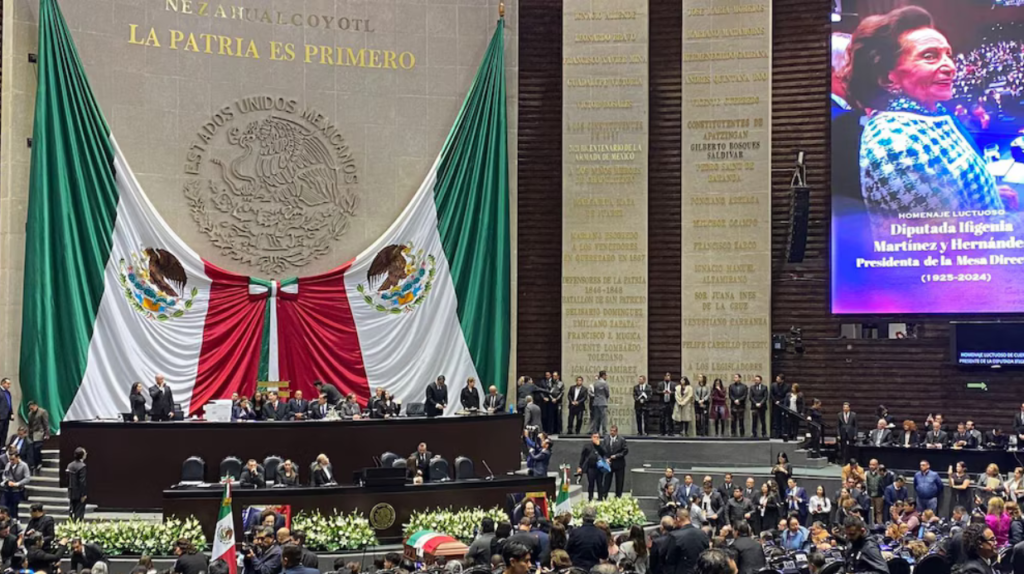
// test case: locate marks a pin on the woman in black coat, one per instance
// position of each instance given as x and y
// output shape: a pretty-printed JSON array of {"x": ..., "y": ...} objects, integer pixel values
[
  {"x": 137, "y": 402},
  {"x": 287, "y": 475}
]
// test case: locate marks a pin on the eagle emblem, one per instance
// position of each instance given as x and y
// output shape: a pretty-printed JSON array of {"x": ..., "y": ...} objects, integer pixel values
[
  {"x": 399, "y": 279},
  {"x": 154, "y": 283}
]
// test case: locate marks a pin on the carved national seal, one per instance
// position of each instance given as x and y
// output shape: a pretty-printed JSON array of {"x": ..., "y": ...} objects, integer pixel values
[
  {"x": 382, "y": 516},
  {"x": 271, "y": 184}
]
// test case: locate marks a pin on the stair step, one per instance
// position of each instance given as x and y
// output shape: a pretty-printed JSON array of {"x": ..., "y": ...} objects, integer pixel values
[
  {"x": 44, "y": 491},
  {"x": 48, "y": 480}
]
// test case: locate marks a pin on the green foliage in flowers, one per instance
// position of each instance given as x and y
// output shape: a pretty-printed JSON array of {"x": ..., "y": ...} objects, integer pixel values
[
  {"x": 334, "y": 532},
  {"x": 617, "y": 512},
  {"x": 135, "y": 536},
  {"x": 457, "y": 524}
]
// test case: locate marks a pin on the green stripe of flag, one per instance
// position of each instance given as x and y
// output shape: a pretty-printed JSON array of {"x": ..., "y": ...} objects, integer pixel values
[
  {"x": 472, "y": 199},
  {"x": 71, "y": 212}
]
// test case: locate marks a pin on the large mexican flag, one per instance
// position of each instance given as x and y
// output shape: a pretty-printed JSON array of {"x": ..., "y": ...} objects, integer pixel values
[{"x": 112, "y": 295}]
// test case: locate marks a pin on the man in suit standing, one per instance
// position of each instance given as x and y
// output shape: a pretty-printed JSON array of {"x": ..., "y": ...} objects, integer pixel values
[
  {"x": 532, "y": 415},
  {"x": 881, "y": 436},
  {"x": 162, "y": 400},
  {"x": 333, "y": 394},
  {"x": 557, "y": 394},
  {"x": 726, "y": 489},
  {"x": 437, "y": 397},
  {"x": 712, "y": 505},
  {"x": 15, "y": 477},
  {"x": 599, "y": 413},
  {"x": 641, "y": 394},
  {"x": 543, "y": 400},
  {"x": 6, "y": 407},
  {"x": 847, "y": 426},
  {"x": 686, "y": 491},
  {"x": 666, "y": 404},
  {"x": 298, "y": 407},
  {"x": 738, "y": 404},
  {"x": 758, "y": 406},
  {"x": 587, "y": 545},
  {"x": 1018, "y": 425},
  {"x": 494, "y": 403},
  {"x": 469, "y": 398},
  {"x": 577, "y": 406},
  {"x": 778, "y": 391},
  {"x": 421, "y": 460},
  {"x": 936, "y": 438},
  {"x": 274, "y": 409},
  {"x": 78, "y": 487},
  {"x": 796, "y": 500},
  {"x": 526, "y": 388},
  {"x": 617, "y": 450},
  {"x": 38, "y": 432},
  {"x": 688, "y": 543}
]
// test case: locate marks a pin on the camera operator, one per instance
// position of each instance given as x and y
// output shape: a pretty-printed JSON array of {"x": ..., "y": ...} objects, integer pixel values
[
  {"x": 863, "y": 554},
  {"x": 264, "y": 555}
]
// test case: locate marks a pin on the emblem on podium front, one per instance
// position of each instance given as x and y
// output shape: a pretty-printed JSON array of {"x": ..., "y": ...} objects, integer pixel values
[{"x": 382, "y": 516}]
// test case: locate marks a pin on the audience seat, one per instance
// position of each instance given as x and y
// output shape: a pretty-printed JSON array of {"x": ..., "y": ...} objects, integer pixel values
[
  {"x": 898, "y": 565},
  {"x": 932, "y": 564},
  {"x": 415, "y": 410},
  {"x": 270, "y": 466},
  {"x": 399, "y": 463},
  {"x": 231, "y": 466},
  {"x": 439, "y": 470},
  {"x": 464, "y": 468},
  {"x": 387, "y": 460},
  {"x": 193, "y": 470}
]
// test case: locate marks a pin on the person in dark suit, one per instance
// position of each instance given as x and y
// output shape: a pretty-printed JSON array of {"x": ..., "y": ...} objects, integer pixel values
[
  {"x": 494, "y": 402},
  {"x": 686, "y": 491},
  {"x": 532, "y": 415},
  {"x": 334, "y": 396},
  {"x": 962, "y": 439},
  {"x": 323, "y": 472},
  {"x": 42, "y": 524},
  {"x": 881, "y": 436},
  {"x": 749, "y": 554},
  {"x": 908, "y": 437},
  {"x": 298, "y": 407},
  {"x": 688, "y": 543},
  {"x": 936, "y": 438},
  {"x": 661, "y": 542},
  {"x": 37, "y": 559},
  {"x": 727, "y": 485},
  {"x": 86, "y": 555},
  {"x": 587, "y": 545},
  {"x": 796, "y": 500},
  {"x": 847, "y": 428},
  {"x": 252, "y": 476},
  {"x": 275, "y": 409},
  {"x": 437, "y": 397},
  {"x": 591, "y": 454},
  {"x": 1018, "y": 424},
  {"x": 78, "y": 486},
  {"x": 318, "y": 411},
  {"x": 577, "y": 406},
  {"x": 738, "y": 403},
  {"x": 389, "y": 406},
  {"x": 997, "y": 440},
  {"x": 243, "y": 411},
  {"x": 667, "y": 404},
  {"x": 22, "y": 445},
  {"x": 470, "y": 396},
  {"x": 642, "y": 393},
  {"x": 738, "y": 508},
  {"x": 617, "y": 450},
  {"x": 712, "y": 505},
  {"x": 758, "y": 406},
  {"x": 291, "y": 561},
  {"x": 6, "y": 407},
  {"x": 779, "y": 391},
  {"x": 137, "y": 403},
  {"x": 863, "y": 554},
  {"x": 162, "y": 401},
  {"x": 264, "y": 557},
  {"x": 421, "y": 460},
  {"x": 555, "y": 412}
]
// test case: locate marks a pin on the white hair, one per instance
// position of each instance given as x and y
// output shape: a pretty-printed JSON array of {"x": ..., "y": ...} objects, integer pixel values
[{"x": 840, "y": 54}]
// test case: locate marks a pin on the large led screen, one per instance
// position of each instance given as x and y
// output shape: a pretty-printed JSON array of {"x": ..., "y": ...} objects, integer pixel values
[{"x": 927, "y": 120}]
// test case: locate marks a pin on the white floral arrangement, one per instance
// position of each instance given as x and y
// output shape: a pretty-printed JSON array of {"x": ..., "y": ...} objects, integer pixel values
[
  {"x": 135, "y": 536},
  {"x": 459, "y": 524},
  {"x": 334, "y": 532},
  {"x": 617, "y": 512}
]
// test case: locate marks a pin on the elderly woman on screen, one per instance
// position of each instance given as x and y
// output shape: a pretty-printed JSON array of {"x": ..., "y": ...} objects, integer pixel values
[{"x": 914, "y": 155}]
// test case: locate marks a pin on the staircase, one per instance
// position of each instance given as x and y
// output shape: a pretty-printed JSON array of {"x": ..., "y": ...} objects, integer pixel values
[{"x": 45, "y": 489}]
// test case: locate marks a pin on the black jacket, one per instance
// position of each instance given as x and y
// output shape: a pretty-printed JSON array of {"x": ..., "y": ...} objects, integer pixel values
[
  {"x": 738, "y": 392},
  {"x": 759, "y": 394},
  {"x": 43, "y": 525},
  {"x": 735, "y": 510},
  {"x": 298, "y": 407},
  {"x": 77, "y": 485},
  {"x": 749, "y": 555},
  {"x": 587, "y": 546},
  {"x": 579, "y": 395},
  {"x": 320, "y": 477},
  {"x": 436, "y": 396},
  {"x": 865, "y": 556},
  {"x": 886, "y": 437},
  {"x": 617, "y": 452},
  {"x": 163, "y": 402},
  {"x": 314, "y": 411},
  {"x": 660, "y": 546},
  {"x": 191, "y": 564},
  {"x": 847, "y": 428},
  {"x": 280, "y": 413},
  {"x": 137, "y": 403},
  {"x": 496, "y": 402},
  {"x": 90, "y": 555},
  {"x": 253, "y": 479},
  {"x": 590, "y": 454},
  {"x": 470, "y": 398},
  {"x": 333, "y": 394},
  {"x": 779, "y": 392},
  {"x": 688, "y": 543},
  {"x": 37, "y": 559}
]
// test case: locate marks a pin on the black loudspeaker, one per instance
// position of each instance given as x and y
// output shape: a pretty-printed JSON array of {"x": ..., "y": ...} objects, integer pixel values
[{"x": 799, "y": 213}]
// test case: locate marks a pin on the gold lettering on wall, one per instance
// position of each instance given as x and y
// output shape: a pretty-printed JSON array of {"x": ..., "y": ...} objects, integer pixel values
[{"x": 604, "y": 196}]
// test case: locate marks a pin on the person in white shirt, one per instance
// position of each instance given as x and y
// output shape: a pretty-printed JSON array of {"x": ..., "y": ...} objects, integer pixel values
[{"x": 820, "y": 506}]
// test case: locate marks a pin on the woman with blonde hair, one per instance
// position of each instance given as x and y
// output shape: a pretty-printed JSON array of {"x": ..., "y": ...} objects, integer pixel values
[
  {"x": 998, "y": 520},
  {"x": 990, "y": 484}
]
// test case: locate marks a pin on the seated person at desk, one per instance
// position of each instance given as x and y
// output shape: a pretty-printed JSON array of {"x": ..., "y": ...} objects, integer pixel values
[
  {"x": 274, "y": 409},
  {"x": 323, "y": 472},
  {"x": 494, "y": 403},
  {"x": 298, "y": 407},
  {"x": 252, "y": 476},
  {"x": 962, "y": 439},
  {"x": 333, "y": 394},
  {"x": 470, "y": 396},
  {"x": 907, "y": 438},
  {"x": 881, "y": 436},
  {"x": 350, "y": 408},
  {"x": 287, "y": 475},
  {"x": 388, "y": 407},
  {"x": 420, "y": 460},
  {"x": 243, "y": 411},
  {"x": 996, "y": 439},
  {"x": 374, "y": 405},
  {"x": 319, "y": 410},
  {"x": 936, "y": 438}
]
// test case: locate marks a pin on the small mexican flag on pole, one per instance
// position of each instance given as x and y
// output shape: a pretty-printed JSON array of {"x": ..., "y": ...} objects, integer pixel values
[
  {"x": 224, "y": 533},
  {"x": 562, "y": 500}
]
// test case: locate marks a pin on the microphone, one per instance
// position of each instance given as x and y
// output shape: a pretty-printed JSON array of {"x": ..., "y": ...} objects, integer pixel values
[{"x": 491, "y": 475}]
